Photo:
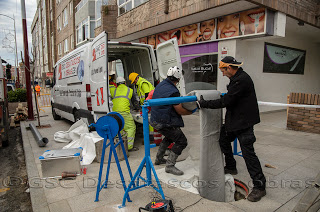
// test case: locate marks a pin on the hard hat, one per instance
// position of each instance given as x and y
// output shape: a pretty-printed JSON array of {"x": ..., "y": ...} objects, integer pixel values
[
  {"x": 133, "y": 76},
  {"x": 174, "y": 72},
  {"x": 120, "y": 80}
]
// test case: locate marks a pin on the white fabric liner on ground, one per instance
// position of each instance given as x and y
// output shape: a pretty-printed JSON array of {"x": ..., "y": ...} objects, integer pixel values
[
  {"x": 79, "y": 136},
  {"x": 204, "y": 165}
]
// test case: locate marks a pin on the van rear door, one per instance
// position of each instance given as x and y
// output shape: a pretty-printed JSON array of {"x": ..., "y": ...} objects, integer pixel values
[
  {"x": 168, "y": 55},
  {"x": 99, "y": 82}
]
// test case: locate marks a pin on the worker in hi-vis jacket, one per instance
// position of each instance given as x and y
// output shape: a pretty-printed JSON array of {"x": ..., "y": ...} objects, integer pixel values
[
  {"x": 144, "y": 87},
  {"x": 122, "y": 96}
]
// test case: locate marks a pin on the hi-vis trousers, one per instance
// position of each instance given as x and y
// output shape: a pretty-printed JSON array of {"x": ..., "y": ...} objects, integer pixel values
[{"x": 129, "y": 127}]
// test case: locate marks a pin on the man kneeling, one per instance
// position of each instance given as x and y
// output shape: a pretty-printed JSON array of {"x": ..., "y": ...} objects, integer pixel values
[{"x": 167, "y": 120}]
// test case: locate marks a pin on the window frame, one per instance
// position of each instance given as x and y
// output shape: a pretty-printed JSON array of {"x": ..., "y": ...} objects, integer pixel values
[
  {"x": 58, "y": 24},
  {"x": 65, "y": 46},
  {"x": 65, "y": 16},
  {"x": 70, "y": 8}
]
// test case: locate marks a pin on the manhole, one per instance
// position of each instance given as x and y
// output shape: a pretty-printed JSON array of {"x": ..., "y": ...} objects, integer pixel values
[{"x": 242, "y": 190}]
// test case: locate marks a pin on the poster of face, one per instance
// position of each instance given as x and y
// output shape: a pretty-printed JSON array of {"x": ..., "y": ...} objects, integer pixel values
[
  {"x": 190, "y": 33},
  {"x": 152, "y": 41},
  {"x": 162, "y": 37},
  {"x": 239, "y": 24},
  {"x": 176, "y": 33},
  {"x": 207, "y": 30},
  {"x": 252, "y": 21},
  {"x": 143, "y": 40},
  {"x": 228, "y": 26}
]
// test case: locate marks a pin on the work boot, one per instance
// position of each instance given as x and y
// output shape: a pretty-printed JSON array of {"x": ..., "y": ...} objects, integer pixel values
[
  {"x": 171, "y": 161},
  {"x": 230, "y": 171},
  {"x": 256, "y": 195},
  {"x": 159, "y": 158},
  {"x": 167, "y": 152}
]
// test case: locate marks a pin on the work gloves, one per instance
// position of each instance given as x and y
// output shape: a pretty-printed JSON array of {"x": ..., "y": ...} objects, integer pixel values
[{"x": 201, "y": 103}]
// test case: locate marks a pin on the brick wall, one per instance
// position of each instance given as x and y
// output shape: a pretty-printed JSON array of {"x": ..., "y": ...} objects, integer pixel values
[
  {"x": 66, "y": 31},
  {"x": 109, "y": 14},
  {"x": 304, "y": 119}
]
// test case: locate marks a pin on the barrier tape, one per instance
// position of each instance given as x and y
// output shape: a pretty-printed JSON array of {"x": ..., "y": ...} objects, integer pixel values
[{"x": 287, "y": 105}]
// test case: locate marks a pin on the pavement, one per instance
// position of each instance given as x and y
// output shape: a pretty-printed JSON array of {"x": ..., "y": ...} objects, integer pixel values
[{"x": 296, "y": 156}]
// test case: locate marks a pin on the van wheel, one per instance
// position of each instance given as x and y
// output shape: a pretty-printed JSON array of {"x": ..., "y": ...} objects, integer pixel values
[
  {"x": 55, "y": 116},
  {"x": 76, "y": 115}
]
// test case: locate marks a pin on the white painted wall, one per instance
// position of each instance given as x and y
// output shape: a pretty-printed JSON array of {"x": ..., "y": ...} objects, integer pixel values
[{"x": 271, "y": 87}]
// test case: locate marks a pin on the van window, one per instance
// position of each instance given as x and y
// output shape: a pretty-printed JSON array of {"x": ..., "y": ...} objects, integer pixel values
[{"x": 119, "y": 68}]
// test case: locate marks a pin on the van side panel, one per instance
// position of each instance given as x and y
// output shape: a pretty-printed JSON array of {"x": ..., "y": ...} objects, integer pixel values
[
  {"x": 99, "y": 74},
  {"x": 69, "y": 92}
]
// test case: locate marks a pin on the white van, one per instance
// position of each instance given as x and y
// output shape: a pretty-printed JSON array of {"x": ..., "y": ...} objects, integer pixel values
[{"x": 81, "y": 85}]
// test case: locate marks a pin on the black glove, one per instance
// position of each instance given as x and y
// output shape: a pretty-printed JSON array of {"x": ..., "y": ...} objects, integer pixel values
[{"x": 201, "y": 103}]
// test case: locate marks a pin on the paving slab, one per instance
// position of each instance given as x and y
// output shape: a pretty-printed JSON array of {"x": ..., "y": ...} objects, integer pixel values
[
  {"x": 295, "y": 154},
  {"x": 60, "y": 206}
]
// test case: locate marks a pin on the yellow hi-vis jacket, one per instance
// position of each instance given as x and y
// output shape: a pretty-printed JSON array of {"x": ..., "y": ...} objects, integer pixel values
[
  {"x": 112, "y": 88},
  {"x": 121, "y": 98},
  {"x": 144, "y": 87}
]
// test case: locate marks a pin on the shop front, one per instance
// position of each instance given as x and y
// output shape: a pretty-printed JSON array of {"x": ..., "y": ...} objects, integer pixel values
[{"x": 278, "y": 52}]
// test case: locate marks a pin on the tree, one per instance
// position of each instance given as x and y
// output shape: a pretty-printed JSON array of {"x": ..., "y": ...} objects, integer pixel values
[
  {"x": 32, "y": 62},
  {"x": 8, "y": 71}
]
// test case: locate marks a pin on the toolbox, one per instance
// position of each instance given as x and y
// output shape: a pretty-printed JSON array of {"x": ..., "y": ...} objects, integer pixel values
[{"x": 55, "y": 162}]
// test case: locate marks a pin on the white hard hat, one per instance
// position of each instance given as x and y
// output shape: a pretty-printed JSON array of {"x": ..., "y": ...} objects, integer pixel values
[
  {"x": 120, "y": 80},
  {"x": 174, "y": 72}
]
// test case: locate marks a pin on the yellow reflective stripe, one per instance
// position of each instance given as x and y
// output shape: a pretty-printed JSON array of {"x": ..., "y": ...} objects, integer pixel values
[{"x": 126, "y": 96}]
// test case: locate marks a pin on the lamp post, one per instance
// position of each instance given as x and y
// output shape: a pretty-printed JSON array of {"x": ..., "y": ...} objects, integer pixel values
[{"x": 15, "y": 41}]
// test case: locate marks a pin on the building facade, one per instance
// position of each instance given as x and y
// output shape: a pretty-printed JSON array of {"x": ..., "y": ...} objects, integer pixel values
[
  {"x": 64, "y": 27},
  {"x": 53, "y": 34},
  {"x": 277, "y": 40}
]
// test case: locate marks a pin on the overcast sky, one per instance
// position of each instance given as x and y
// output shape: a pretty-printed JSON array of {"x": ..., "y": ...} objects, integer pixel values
[{"x": 10, "y": 8}]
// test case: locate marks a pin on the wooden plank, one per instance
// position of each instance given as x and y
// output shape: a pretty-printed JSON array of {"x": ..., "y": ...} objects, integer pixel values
[
  {"x": 317, "y": 101},
  {"x": 309, "y": 99},
  {"x": 305, "y": 99},
  {"x": 290, "y": 98},
  {"x": 312, "y": 99},
  {"x": 295, "y": 97},
  {"x": 302, "y": 98},
  {"x": 299, "y": 99}
]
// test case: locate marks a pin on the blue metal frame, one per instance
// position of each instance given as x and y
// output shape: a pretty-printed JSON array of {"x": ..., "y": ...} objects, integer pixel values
[
  {"x": 235, "y": 148},
  {"x": 108, "y": 129},
  {"x": 146, "y": 161}
]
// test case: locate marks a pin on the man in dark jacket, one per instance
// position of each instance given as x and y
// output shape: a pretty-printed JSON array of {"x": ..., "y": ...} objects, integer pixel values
[
  {"x": 241, "y": 115},
  {"x": 167, "y": 120}
]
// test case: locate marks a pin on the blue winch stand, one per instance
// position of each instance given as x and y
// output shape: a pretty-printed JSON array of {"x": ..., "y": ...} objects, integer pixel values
[
  {"x": 146, "y": 161},
  {"x": 235, "y": 148},
  {"x": 107, "y": 130}
]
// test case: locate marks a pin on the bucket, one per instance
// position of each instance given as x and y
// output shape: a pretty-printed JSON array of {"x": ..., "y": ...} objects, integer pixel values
[{"x": 119, "y": 151}]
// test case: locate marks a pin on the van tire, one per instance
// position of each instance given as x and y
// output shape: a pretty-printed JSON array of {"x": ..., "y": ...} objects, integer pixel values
[
  {"x": 76, "y": 115},
  {"x": 54, "y": 115}
]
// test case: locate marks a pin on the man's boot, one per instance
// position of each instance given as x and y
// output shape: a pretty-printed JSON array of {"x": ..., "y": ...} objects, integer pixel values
[
  {"x": 159, "y": 158},
  {"x": 256, "y": 195},
  {"x": 171, "y": 161}
]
